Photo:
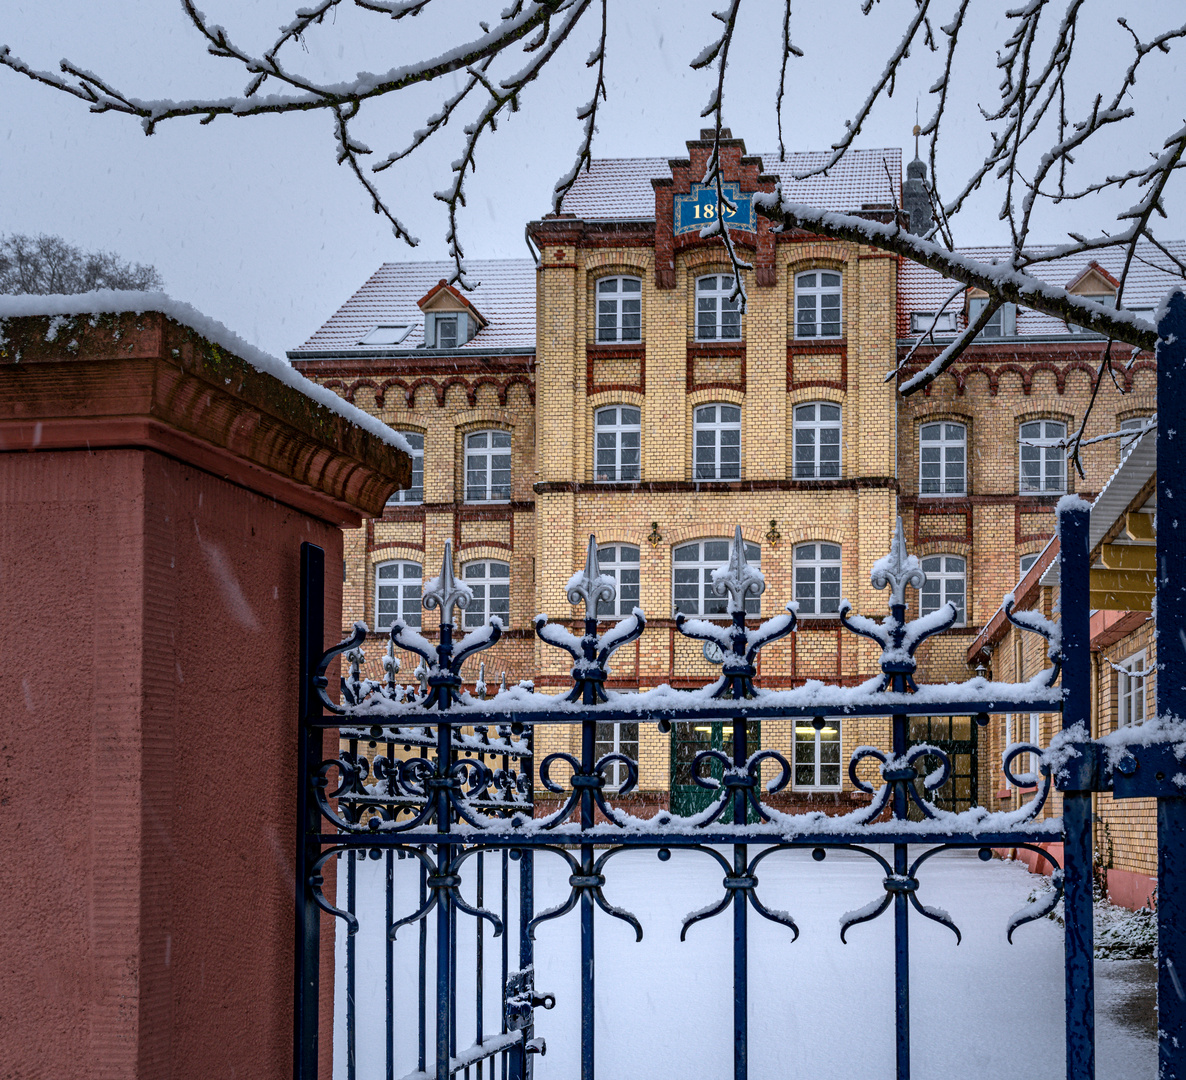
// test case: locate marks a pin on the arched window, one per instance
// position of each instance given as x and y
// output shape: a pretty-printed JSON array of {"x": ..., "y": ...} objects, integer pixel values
[
  {"x": 414, "y": 494},
  {"x": 817, "y": 579},
  {"x": 1043, "y": 456},
  {"x": 617, "y": 432},
  {"x": 817, "y": 441},
  {"x": 488, "y": 466},
  {"x": 718, "y": 316},
  {"x": 717, "y": 433},
  {"x": 397, "y": 593},
  {"x": 817, "y": 304},
  {"x": 942, "y": 459},
  {"x": 619, "y": 309},
  {"x": 619, "y": 561},
  {"x": 947, "y": 581},
  {"x": 691, "y": 578},
  {"x": 490, "y": 580}
]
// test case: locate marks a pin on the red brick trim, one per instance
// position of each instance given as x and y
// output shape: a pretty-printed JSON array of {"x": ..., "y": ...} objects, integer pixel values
[
  {"x": 1041, "y": 357},
  {"x": 1022, "y": 507},
  {"x": 615, "y": 352},
  {"x": 816, "y": 348},
  {"x": 706, "y": 350},
  {"x": 558, "y": 487},
  {"x": 947, "y": 508}
]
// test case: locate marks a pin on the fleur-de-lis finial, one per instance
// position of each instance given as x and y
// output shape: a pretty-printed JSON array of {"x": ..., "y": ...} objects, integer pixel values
[
  {"x": 738, "y": 578},
  {"x": 591, "y": 585},
  {"x": 897, "y": 570},
  {"x": 445, "y": 591}
]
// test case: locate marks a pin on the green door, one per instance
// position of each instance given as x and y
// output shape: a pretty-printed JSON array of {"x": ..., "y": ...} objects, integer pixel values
[
  {"x": 688, "y": 739},
  {"x": 956, "y": 736}
]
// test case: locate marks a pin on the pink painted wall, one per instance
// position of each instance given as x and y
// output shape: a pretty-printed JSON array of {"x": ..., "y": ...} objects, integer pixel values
[{"x": 148, "y": 703}]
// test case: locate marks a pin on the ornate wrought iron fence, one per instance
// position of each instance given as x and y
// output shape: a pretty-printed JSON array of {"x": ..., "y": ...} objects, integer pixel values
[{"x": 460, "y": 794}]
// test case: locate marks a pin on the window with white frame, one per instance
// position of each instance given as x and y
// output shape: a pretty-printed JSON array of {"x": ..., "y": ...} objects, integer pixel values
[
  {"x": 1137, "y": 425},
  {"x": 388, "y": 334},
  {"x": 616, "y": 739},
  {"x": 619, "y": 309},
  {"x": 488, "y": 466},
  {"x": 1027, "y": 561},
  {"x": 817, "y": 304},
  {"x": 1002, "y": 323},
  {"x": 817, "y": 755},
  {"x": 718, "y": 314},
  {"x": 691, "y": 578},
  {"x": 1043, "y": 457},
  {"x": 942, "y": 459},
  {"x": 490, "y": 580},
  {"x": 397, "y": 593},
  {"x": 1130, "y": 690},
  {"x": 617, "y": 434},
  {"x": 619, "y": 561},
  {"x": 947, "y": 577},
  {"x": 414, "y": 494},
  {"x": 817, "y": 579},
  {"x": 446, "y": 331},
  {"x": 941, "y": 323},
  {"x": 817, "y": 441},
  {"x": 717, "y": 434}
]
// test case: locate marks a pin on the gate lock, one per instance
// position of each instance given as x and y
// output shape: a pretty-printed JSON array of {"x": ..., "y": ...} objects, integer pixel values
[{"x": 522, "y": 1000}]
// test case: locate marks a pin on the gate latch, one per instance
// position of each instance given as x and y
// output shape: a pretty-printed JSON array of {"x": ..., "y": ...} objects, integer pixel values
[{"x": 522, "y": 999}]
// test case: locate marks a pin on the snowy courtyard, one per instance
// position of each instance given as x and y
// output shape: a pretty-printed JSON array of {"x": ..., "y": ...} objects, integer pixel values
[{"x": 818, "y": 1008}]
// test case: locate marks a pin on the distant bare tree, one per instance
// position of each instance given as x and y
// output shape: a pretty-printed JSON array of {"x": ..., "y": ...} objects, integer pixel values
[{"x": 48, "y": 264}]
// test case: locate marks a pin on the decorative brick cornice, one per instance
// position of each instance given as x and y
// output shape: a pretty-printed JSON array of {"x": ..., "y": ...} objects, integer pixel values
[{"x": 730, "y": 487}]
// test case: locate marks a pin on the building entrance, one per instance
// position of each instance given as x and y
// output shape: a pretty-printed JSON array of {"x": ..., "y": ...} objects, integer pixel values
[{"x": 694, "y": 737}]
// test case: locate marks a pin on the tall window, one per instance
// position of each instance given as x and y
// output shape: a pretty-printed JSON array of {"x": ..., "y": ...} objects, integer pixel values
[
  {"x": 488, "y": 466},
  {"x": 397, "y": 593},
  {"x": 717, "y": 317},
  {"x": 717, "y": 432},
  {"x": 1130, "y": 690},
  {"x": 817, "y": 441},
  {"x": 490, "y": 580},
  {"x": 616, "y": 739},
  {"x": 817, "y": 579},
  {"x": 414, "y": 494},
  {"x": 942, "y": 459},
  {"x": 1035, "y": 737},
  {"x": 617, "y": 432},
  {"x": 692, "y": 567},
  {"x": 1043, "y": 458},
  {"x": 619, "y": 309},
  {"x": 817, "y": 304},
  {"x": 817, "y": 755},
  {"x": 946, "y": 582},
  {"x": 619, "y": 561}
]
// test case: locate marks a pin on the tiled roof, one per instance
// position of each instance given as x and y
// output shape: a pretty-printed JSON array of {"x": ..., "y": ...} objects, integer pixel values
[
  {"x": 1149, "y": 279},
  {"x": 505, "y": 295},
  {"x": 621, "y": 187}
]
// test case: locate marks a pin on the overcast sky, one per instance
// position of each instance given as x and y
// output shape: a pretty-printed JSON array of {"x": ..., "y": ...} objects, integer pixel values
[{"x": 253, "y": 222}]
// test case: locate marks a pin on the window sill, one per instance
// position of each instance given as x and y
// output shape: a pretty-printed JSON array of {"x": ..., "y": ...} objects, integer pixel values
[
  {"x": 717, "y": 346},
  {"x": 943, "y": 494},
  {"x": 818, "y": 790},
  {"x": 818, "y": 339},
  {"x": 486, "y": 502}
]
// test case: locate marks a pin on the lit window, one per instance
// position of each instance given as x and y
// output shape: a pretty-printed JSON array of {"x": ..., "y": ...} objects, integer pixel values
[
  {"x": 717, "y": 316},
  {"x": 942, "y": 459},
  {"x": 946, "y": 582},
  {"x": 921, "y": 322},
  {"x": 817, "y": 441},
  {"x": 446, "y": 331},
  {"x": 1136, "y": 424},
  {"x": 617, "y": 432},
  {"x": 619, "y": 309},
  {"x": 817, "y": 579},
  {"x": 692, "y": 567},
  {"x": 717, "y": 430},
  {"x": 488, "y": 466},
  {"x": 616, "y": 739},
  {"x": 1043, "y": 457},
  {"x": 490, "y": 581},
  {"x": 1028, "y": 561},
  {"x": 817, "y": 755},
  {"x": 387, "y": 335},
  {"x": 817, "y": 304},
  {"x": 414, "y": 494},
  {"x": 619, "y": 561},
  {"x": 397, "y": 593},
  {"x": 1130, "y": 690}
]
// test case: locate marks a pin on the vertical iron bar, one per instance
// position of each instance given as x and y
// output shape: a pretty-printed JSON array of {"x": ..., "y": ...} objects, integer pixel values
[
  {"x": 740, "y": 916},
  {"x": 389, "y": 974},
  {"x": 309, "y": 743},
  {"x": 478, "y": 1005},
  {"x": 351, "y": 957},
  {"x": 422, "y": 1019},
  {"x": 1074, "y": 593},
  {"x": 901, "y": 745},
  {"x": 1171, "y": 692},
  {"x": 444, "y": 1024},
  {"x": 588, "y": 750},
  {"x": 506, "y": 939}
]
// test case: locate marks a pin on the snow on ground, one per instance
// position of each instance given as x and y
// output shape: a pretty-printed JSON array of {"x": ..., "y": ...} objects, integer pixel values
[{"x": 818, "y": 1008}]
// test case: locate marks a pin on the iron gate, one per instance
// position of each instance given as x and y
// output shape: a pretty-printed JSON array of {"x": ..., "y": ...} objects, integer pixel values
[{"x": 445, "y": 780}]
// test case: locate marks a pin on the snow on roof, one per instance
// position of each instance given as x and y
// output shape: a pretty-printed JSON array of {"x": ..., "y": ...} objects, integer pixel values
[
  {"x": 621, "y": 187},
  {"x": 114, "y": 302},
  {"x": 1150, "y": 277},
  {"x": 504, "y": 294}
]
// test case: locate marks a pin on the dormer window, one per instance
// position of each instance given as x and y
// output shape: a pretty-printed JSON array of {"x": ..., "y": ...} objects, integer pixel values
[
  {"x": 387, "y": 334},
  {"x": 1096, "y": 284},
  {"x": 1003, "y": 322},
  {"x": 446, "y": 331},
  {"x": 943, "y": 323},
  {"x": 450, "y": 320}
]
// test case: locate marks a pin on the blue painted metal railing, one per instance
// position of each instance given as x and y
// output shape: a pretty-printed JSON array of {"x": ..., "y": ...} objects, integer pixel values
[{"x": 442, "y": 809}]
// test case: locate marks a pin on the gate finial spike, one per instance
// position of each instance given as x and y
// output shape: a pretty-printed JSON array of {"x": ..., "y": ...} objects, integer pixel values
[
  {"x": 446, "y": 592},
  {"x": 737, "y": 577},
  {"x": 897, "y": 570},
  {"x": 591, "y": 585}
]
